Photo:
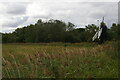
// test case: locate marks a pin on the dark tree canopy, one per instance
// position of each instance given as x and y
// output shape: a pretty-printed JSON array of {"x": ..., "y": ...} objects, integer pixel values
[{"x": 56, "y": 31}]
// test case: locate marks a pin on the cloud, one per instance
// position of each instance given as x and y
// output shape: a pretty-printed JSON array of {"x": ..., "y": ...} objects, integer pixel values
[
  {"x": 7, "y": 30},
  {"x": 59, "y": 0},
  {"x": 16, "y": 9},
  {"x": 80, "y": 13},
  {"x": 119, "y": 12},
  {"x": 12, "y": 14},
  {"x": 15, "y": 21}
]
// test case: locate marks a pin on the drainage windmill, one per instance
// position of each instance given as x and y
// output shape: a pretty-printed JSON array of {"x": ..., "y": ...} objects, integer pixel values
[{"x": 101, "y": 33}]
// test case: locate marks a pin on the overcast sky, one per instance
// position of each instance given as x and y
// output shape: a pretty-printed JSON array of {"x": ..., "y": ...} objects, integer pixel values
[{"x": 20, "y": 14}]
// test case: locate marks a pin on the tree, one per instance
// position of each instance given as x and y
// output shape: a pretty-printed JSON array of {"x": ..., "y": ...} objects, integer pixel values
[
  {"x": 90, "y": 30},
  {"x": 113, "y": 32},
  {"x": 57, "y": 31},
  {"x": 70, "y": 26}
]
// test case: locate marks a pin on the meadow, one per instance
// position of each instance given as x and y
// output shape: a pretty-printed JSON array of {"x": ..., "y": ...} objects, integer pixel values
[{"x": 60, "y": 60}]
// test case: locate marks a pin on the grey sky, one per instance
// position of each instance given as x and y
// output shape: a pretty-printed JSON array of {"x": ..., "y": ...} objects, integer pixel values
[
  {"x": 119, "y": 12},
  {"x": 19, "y": 14}
]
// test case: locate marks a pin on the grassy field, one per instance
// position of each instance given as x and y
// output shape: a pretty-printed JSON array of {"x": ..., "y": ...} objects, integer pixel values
[{"x": 60, "y": 60}]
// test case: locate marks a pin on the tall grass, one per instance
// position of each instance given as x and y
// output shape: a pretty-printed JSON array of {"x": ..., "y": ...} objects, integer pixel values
[{"x": 59, "y": 60}]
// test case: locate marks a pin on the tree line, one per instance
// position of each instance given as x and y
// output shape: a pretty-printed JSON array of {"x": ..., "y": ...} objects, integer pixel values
[{"x": 57, "y": 31}]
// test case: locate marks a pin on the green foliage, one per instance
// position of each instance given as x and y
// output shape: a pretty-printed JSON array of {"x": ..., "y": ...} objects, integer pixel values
[
  {"x": 90, "y": 30},
  {"x": 114, "y": 32},
  {"x": 56, "y": 31}
]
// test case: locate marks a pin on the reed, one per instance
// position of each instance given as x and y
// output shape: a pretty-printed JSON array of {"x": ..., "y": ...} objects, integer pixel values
[{"x": 25, "y": 61}]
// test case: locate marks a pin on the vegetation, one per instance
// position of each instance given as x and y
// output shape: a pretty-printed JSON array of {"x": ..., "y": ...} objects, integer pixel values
[
  {"x": 55, "y": 49},
  {"x": 56, "y": 31},
  {"x": 60, "y": 60}
]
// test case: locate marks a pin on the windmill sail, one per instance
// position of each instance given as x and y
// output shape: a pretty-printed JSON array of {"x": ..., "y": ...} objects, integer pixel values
[{"x": 97, "y": 34}]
